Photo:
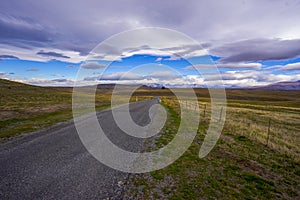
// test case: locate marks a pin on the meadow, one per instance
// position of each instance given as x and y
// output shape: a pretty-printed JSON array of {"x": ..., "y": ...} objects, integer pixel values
[
  {"x": 25, "y": 108},
  {"x": 256, "y": 157}
]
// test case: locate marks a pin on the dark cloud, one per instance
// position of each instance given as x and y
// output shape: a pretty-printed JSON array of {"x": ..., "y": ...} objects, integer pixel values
[
  {"x": 216, "y": 24},
  {"x": 8, "y": 57},
  {"x": 225, "y": 66},
  {"x": 83, "y": 49},
  {"x": 51, "y": 54},
  {"x": 92, "y": 78},
  {"x": 4, "y": 75},
  {"x": 258, "y": 50},
  {"x": 16, "y": 28},
  {"x": 72, "y": 67},
  {"x": 93, "y": 65}
]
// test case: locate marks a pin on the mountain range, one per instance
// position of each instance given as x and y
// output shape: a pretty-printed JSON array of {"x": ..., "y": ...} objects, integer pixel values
[{"x": 288, "y": 85}]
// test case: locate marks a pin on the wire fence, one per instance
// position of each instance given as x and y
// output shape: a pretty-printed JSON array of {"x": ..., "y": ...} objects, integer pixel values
[{"x": 275, "y": 128}]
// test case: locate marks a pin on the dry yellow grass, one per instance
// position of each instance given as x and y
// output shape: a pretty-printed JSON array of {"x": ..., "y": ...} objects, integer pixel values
[{"x": 252, "y": 121}]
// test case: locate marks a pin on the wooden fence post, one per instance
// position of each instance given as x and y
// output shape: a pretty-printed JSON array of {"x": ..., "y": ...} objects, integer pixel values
[
  {"x": 221, "y": 114},
  {"x": 204, "y": 110},
  {"x": 268, "y": 136}
]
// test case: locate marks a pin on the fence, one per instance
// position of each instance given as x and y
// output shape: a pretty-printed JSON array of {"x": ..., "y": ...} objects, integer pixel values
[{"x": 261, "y": 125}]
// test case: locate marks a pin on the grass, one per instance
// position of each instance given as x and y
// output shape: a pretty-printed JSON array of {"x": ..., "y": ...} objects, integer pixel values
[
  {"x": 241, "y": 166},
  {"x": 25, "y": 108}
]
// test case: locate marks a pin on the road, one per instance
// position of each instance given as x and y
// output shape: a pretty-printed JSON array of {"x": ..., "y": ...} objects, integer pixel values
[{"x": 53, "y": 163}]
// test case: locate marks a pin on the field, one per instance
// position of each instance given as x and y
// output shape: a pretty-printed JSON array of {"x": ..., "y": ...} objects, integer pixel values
[
  {"x": 25, "y": 108},
  {"x": 250, "y": 160},
  {"x": 256, "y": 157}
]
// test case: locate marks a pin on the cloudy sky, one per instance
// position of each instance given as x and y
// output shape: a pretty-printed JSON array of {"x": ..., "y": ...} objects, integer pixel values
[{"x": 252, "y": 42}]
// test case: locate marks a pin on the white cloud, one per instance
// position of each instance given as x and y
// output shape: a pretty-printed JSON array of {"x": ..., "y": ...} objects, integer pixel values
[
  {"x": 158, "y": 59},
  {"x": 152, "y": 41},
  {"x": 248, "y": 78},
  {"x": 121, "y": 76},
  {"x": 291, "y": 66},
  {"x": 228, "y": 79},
  {"x": 288, "y": 67},
  {"x": 163, "y": 75},
  {"x": 44, "y": 81}
]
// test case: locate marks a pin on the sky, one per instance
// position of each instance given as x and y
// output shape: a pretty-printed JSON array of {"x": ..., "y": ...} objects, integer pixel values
[{"x": 49, "y": 43}]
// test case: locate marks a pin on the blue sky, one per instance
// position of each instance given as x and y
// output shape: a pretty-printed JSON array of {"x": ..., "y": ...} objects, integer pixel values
[
  {"x": 49, "y": 45},
  {"x": 59, "y": 72}
]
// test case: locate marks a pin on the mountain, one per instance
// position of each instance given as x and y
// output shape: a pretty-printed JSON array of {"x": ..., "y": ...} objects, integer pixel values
[
  {"x": 281, "y": 86},
  {"x": 112, "y": 86}
]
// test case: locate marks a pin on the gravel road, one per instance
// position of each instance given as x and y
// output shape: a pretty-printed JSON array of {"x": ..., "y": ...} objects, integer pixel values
[{"x": 53, "y": 163}]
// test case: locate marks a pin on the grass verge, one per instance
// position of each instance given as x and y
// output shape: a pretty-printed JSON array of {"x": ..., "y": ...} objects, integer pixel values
[{"x": 239, "y": 167}]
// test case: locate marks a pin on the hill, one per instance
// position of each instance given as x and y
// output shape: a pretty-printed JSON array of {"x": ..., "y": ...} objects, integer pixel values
[
  {"x": 25, "y": 108},
  {"x": 282, "y": 86}
]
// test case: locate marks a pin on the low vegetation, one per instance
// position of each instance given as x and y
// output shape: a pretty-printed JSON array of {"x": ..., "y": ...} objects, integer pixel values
[
  {"x": 25, "y": 108},
  {"x": 256, "y": 157},
  {"x": 244, "y": 164}
]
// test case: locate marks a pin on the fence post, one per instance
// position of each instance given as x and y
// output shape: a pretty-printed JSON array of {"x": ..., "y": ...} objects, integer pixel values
[
  {"x": 221, "y": 114},
  {"x": 268, "y": 136},
  {"x": 204, "y": 110}
]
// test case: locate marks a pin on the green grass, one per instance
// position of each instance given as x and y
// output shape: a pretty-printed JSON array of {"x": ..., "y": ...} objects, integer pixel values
[
  {"x": 25, "y": 108},
  {"x": 240, "y": 166}
]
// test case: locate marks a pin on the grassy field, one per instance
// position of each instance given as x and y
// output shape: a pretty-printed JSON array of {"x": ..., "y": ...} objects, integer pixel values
[
  {"x": 243, "y": 165},
  {"x": 25, "y": 108},
  {"x": 250, "y": 160}
]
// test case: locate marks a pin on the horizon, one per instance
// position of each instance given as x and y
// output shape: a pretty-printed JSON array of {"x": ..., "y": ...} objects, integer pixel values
[
  {"x": 158, "y": 86},
  {"x": 49, "y": 45}
]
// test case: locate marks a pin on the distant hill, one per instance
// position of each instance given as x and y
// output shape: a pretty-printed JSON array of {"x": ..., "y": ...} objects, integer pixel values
[
  {"x": 281, "y": 86},
  {"x": 7, "y": 84},
  {"x": 17, "y": 87},
  {"x": 112, "y": 86}
]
